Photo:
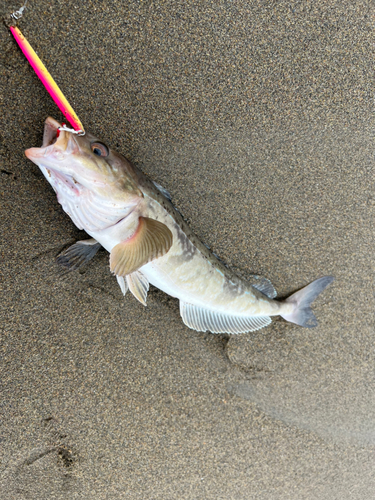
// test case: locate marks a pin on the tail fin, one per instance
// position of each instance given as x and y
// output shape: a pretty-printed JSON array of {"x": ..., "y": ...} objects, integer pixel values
[{"x": 302, "y": 314}]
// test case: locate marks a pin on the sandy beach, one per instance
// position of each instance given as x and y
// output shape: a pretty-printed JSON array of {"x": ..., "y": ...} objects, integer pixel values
[{"x": 258, "y": 117}]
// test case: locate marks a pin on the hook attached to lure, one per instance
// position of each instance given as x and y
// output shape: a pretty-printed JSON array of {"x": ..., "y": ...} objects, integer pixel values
[{"x": 45, "y": 77}]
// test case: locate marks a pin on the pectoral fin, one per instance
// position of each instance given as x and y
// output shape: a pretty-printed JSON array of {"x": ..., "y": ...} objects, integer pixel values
[
  {"x": 151, "y": 240},
  {"x": 78, "y": 254}
]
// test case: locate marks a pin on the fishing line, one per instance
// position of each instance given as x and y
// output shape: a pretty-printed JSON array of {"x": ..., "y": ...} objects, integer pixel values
[
  {"x": 45, "y": 77},
  {"x": 18, "y": 13}
]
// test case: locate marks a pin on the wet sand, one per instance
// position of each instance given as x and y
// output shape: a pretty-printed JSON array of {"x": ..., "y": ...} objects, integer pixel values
[{"x": 259, "y": 119}]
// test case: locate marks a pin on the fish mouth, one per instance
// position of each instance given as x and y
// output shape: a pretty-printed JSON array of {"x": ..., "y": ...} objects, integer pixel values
[
  {"x": 56, "y": 143},
  {"x": 51, "y": 127}
]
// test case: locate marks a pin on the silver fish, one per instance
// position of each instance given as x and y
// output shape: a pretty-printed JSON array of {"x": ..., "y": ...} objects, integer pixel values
[{"x": 149, "y": 241}]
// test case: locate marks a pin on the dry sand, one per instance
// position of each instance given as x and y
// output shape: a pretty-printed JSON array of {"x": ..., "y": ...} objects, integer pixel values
[{"x": 259, "y": 119}]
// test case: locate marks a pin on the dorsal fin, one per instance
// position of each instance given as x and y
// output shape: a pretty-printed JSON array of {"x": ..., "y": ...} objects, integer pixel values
[
  {"x": 265, "y": 286},
  {"x": 202, "y": 320},
  {"x": 163, "y": 191},
  {"x": 152, "y": 239}
]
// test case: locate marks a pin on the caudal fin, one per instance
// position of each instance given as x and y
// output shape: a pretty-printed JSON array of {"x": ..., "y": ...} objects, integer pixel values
[{"x": 302, "y": 314}]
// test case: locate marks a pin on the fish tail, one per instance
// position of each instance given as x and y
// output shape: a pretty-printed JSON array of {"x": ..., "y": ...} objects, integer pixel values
[{"x": 301, "y": 313}]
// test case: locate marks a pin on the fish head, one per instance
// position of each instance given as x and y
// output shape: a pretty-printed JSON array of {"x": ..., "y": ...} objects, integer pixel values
[{"x": 84, "y": 163}]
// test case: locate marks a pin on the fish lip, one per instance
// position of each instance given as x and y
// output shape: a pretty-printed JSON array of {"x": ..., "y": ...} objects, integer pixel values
[
  {"x": 51, "y": 127},
  {"x": 55, "y": 141}
]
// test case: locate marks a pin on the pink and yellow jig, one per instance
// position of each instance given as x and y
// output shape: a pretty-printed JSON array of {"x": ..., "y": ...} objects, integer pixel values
[{"x": 48, "y": 81}]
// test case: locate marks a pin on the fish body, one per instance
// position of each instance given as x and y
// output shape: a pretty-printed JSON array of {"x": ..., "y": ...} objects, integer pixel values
[{"x": 149, "y": 241}]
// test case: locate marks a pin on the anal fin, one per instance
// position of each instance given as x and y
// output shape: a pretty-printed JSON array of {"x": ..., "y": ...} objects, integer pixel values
[
  {"x": 202, "y": 320},
  {"x": 78, "y": 254}
]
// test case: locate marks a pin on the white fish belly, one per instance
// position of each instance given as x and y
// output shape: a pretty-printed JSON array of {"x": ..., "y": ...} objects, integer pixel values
[
  {"x": 198, "y": 282},
  {"x": 187, "y": 274}
]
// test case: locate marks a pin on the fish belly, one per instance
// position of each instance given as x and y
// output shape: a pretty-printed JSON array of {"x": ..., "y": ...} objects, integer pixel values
[
  {"x": 196, "y": 281},
  {"x": 188, "y": 274}
]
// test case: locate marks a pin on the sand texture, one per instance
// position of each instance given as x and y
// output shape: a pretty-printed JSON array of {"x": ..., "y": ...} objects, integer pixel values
[{"x": 258, "y": 117}]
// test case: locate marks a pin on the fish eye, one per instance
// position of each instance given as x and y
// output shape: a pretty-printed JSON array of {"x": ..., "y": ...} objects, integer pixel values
[{"x": 99, "y": 149}]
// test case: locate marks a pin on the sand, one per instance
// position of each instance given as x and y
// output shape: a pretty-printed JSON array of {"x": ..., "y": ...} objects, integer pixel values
[{"x": 258, "y": 117}]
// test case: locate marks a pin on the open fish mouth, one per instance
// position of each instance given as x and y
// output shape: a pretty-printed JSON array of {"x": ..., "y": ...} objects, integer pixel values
[
  {"x": 57, "y": 144},
  {"x": 50, "y": 133},
  {"x": 52, "y": 155}
]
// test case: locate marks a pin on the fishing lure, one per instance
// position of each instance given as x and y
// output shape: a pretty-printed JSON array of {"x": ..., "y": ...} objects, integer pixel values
[{"x": 47, "y": 80}]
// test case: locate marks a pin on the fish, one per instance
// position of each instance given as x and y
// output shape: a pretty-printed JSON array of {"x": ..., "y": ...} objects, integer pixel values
[{"x": 149, "y": 242}]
